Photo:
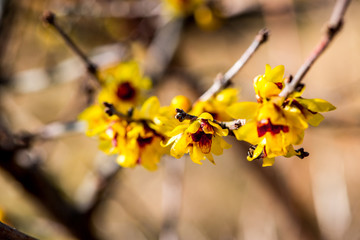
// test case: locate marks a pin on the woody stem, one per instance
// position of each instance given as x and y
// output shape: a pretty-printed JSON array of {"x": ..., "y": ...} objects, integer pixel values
[
  {"x": 333, "y": 27},
  {"x": 223, "y": 81}
]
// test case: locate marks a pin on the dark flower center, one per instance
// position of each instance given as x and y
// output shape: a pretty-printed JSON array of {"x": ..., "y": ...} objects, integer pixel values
[
  {"x": 142, "y": 142},
  {"x": 265, "y": 126},
  {"x": 125, "y": 91},
  {"x": 203, "y": 139}
]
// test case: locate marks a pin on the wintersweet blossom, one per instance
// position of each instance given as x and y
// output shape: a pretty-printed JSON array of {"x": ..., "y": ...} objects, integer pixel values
[
  {"x": 134, "y": 138},
  {"x": 200, "y": 137},
  {"x": 273, "y": 124},
  {"x": 123, "y": 85}
]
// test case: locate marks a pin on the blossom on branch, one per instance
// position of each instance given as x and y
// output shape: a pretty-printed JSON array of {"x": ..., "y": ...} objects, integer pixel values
[
  {"x": 200, "y": 137},
  {"x": 123, "y": 85},
  {"x": 275, "y": 124}
]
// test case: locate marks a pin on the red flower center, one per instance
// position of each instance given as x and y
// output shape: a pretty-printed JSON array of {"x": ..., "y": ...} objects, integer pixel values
[
  {"x": 125, "y": 91},
  {"x": 203, "y": 139},
  {"x": 265, "y": 126}
]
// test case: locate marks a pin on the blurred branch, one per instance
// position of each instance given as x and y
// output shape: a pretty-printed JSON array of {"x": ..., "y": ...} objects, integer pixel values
[
  {"x": 162, "y": 49},
  {"x": 172, "y": 197},
  {"x": 223, "y": 81},
  {"x": 50, "y": 18},
  {"x": 298, "y": 214},
  {"x": 333, "y": 27},
  {"x": 25, "y": 169},
  {"x": 7, "y": 232}
]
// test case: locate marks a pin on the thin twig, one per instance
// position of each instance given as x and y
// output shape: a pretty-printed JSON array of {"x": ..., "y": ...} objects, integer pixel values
[
  {"x": 181, "y": 115},
  {"x": 50, "y": 18},
  {"x": 111, "y": 110},
  {"x": 334, "y": 25},
  {"x": 223, "y": 81},
  {"x": 7, "y": 232}
]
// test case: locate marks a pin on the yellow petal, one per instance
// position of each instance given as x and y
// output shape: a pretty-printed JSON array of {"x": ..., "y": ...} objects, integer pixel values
[
  {"x": 243, "y": 110},
  {"x": 248, "y": 133},
  {"x": 216, "y": 146},
  {"x": 150, "y": 108},
  {"x": 179, "y": 148},
  {"x": 194, "y": 127},
  {"x": 179, "y": 129},
  {"x": 210, "y": 157},
  {"x": 267, "y": 69},
  {"x": 315, "y": 119},
  {"x": 196, "y": 155},
  {"x": 276, "y": 74},
  {"x": 207, "y": 116},
  {"x": 267, "y": 162},
  {"x": 316, "y": 105}
]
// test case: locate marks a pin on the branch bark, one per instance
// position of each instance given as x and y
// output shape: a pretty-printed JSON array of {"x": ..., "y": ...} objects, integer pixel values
[
  {"x": 334, "y": 25},
  {"x": 7, "y": 232},
  {"x": 223, "y": 81}
]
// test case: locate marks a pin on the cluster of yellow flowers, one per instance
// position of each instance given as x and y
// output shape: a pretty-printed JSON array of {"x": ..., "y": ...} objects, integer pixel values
[
  {"x": 275, "y": 124},
  {"x": 140, "y": 131}
]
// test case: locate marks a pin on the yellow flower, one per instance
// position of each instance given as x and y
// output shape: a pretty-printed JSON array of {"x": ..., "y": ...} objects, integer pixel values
[
  {"x": 200, "y": 138},
  {"x": 136, "y": 139},
  {"x": 273, "y": 124},
  {"x": 123, "y": 86},
  {"x": 217, "y": 104},
  {"x": 270, "y": 127},
  {"x": 270, "y": 84},
  {"x": 141, "y": 146}
]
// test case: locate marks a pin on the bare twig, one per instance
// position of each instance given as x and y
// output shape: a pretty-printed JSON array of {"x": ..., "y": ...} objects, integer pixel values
[
  {"x": 333, "y": 27},
  {"x": 50, "y": 18},
  {"x": 223, "y": 81},
  {"x": 7, "y": 232},
  {"x": 181, "y": 115},
  {"x": 111, "y": 110}
]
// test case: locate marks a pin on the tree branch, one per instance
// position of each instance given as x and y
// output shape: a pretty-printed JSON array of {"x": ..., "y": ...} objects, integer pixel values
[
  {"x": 7, "y": 232},
  {"x": 333, "y": 27},
  {"x": 28, "y": 173},
  {"x": 223, "y": 81},
  {"x": 50, "y": 18}
]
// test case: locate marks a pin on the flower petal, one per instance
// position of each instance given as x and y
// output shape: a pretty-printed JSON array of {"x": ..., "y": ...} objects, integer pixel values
[
  {"x": 248, "y": 133},
  {"x": 276, "y": 74},
  {"x": 315, "y": 119},
  {"x": 196, "y": 155},
  {"x": 207, "y": 116},
  {"x": 194, "y": 127},
  {"x": 267, "y": 162},
  {"x": 243, "y": 110},
  {"x": 316, "y": 104}
]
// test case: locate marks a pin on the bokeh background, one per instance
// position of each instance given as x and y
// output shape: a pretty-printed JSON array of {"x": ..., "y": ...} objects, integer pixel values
[{"x": 314, "y": 198}]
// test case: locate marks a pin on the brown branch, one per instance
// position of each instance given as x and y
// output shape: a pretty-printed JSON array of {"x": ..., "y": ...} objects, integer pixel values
[
  {"x": 29, "y": 174},
  {"x": 333, "y": 27},
  {"x": 50, "y": 18},
  {"x": 7, "y": 232},
  {"x": 223, "y": 81}
]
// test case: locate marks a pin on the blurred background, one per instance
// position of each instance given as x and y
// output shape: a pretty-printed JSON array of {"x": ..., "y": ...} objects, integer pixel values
[{"x": 314, "y": 198}]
